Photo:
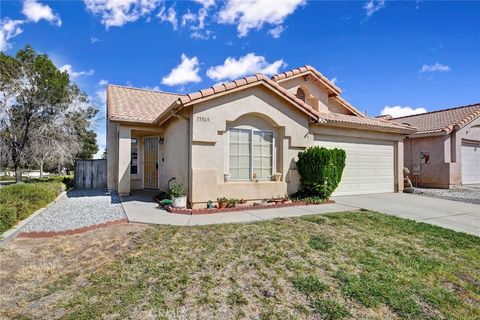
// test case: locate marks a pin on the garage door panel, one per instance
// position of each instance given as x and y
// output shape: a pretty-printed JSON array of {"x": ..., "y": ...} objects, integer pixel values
[
  {"x": 369, "y": 165},
  {"x": 470, "y": 163}
]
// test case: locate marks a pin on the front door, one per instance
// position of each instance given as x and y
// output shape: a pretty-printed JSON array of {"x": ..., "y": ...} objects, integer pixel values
[{"x": 150, "y": 163}]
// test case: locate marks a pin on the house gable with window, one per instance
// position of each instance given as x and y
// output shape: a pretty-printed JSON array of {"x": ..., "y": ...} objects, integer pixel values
[{"x": 241, "y": 139}]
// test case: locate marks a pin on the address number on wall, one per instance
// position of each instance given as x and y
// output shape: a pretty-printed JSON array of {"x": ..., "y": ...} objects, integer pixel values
[{"x": 202, "y": 119}]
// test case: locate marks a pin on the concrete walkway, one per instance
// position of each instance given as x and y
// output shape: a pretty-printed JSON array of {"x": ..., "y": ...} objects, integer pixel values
[
  {"x": 454, "y": 215},
  {"x": 458, "y": 216},
  {"x": 141, "y": 208}
]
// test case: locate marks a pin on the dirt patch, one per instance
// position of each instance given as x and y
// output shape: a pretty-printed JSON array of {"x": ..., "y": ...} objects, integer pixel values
[{"x": 38, "y": 272}]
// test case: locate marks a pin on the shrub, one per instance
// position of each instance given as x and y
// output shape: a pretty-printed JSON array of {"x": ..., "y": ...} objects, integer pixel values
[
  {"x": 176, "y": 190},
  {"x": 23, "y": 199},
  {"x": 320, "y": 171},
  {"x": 68, "y": 182},
  {"x": 7, "y": 218}
]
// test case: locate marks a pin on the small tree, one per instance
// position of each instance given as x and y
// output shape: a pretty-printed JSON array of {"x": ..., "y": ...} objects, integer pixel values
[{"x": 320, "y": 171}]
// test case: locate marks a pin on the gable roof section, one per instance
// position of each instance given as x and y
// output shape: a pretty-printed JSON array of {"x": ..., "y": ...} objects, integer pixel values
[
  {"x": 336, "y": 91},
  {"x": 137, "y": 105},
  {"x": 247, "y": 82},
  {"x": 307, "y": 69},
  {"x": 442, "y": 121}
]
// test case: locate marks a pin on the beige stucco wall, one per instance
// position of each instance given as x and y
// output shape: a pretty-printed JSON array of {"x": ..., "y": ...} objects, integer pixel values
[
  {"x": 310, "y": 86},
  {"x": 174, "y": 152},
  {"x": 444, "y": 169},
  {"x": 112, "y": 155},
  {"x": 254, "y": 107}
]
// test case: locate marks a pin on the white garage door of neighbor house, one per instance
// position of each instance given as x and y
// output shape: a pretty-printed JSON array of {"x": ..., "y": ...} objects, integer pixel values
[
  {"x": 369, "y": 165},
  {"x": 470, "y": 164}
]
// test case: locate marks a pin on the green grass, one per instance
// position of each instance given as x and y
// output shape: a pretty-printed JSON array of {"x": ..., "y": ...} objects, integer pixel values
[
  {"x": 18, "y": 201},
  {"x": 343, "y": 265}
]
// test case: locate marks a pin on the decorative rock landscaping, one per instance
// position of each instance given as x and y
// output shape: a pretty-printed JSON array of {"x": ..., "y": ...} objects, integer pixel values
[
  {"x": 78, "y": 211},
  {"x": 463, "y": 194}
]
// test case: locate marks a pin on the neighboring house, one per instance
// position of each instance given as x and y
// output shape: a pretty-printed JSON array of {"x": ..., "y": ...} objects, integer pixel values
[
  {"x": 230, "y": 140},
  {"x": 446, "y": 147}
]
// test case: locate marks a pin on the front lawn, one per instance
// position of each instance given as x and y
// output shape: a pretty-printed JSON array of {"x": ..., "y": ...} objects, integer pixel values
[{"x": 344, "y": 265}]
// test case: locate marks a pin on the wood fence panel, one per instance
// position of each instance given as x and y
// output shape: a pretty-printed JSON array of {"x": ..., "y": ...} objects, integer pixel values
[{"x": 91, "y": 174}]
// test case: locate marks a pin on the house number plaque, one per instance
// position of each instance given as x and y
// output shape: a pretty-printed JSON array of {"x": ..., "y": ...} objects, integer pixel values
[{"x": 202, "y": 119}]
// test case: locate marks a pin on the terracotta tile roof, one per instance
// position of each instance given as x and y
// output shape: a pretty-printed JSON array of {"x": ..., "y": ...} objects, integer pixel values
[
  {"x": 442, "y": 120},
  {"x": 137, "y": 105},
  {"x": 362, "y": 122},
  {"x": 307, "y": 69},
  {"x": 202, "y": 95}
]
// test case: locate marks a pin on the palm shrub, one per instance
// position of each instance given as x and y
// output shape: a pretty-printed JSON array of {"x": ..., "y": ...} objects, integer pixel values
[{"x": 320, "y": 171}]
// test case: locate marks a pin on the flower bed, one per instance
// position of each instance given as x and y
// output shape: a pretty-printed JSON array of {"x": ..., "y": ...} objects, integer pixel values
[{"x": 242, "y": 207}]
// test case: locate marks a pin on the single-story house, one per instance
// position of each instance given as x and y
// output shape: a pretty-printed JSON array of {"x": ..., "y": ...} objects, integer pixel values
[
  {"x": 445, "y": 151},
  {"x": 232, "y": 139}
]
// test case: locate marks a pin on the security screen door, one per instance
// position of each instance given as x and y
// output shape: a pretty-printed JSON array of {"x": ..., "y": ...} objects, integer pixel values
[{"x": 150, "y": 163}]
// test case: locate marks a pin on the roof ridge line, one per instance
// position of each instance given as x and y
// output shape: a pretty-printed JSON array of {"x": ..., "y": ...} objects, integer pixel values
[
  {"x": 144, "y": 89},
  {"x": 437, "y": 111}
]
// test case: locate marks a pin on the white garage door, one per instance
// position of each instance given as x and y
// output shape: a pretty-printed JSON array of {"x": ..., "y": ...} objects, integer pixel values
[
  {"x": 369, "y": 165},
  {"x": 470, "y": 163}
]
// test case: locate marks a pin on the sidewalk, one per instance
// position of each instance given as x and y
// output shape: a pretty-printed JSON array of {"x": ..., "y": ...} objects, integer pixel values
[{"x": 141, "y": 208}]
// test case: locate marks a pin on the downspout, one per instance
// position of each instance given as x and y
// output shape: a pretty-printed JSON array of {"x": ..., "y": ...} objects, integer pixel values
[{"x": 189, "y": 147}]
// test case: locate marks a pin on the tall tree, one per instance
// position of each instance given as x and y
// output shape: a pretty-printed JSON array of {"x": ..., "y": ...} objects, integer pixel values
[
  {"x": 34, "y": 93},
  {"x": 89, "y": 147}
]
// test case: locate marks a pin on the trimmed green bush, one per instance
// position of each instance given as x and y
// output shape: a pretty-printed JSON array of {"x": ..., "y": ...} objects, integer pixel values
[
  {"x": 7, "y": 218},
  {"x": 320, "y": 171},
  {"x": 18, "y": 201}
]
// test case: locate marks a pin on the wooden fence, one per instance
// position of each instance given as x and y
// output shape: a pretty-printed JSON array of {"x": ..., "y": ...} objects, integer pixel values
[{"x": 90, "y": 174}]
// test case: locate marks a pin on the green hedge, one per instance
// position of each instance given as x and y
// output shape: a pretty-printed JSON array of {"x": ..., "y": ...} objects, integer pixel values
[
  {"x": 320, "y": 171},
  {"x": 18, "y": 201}
]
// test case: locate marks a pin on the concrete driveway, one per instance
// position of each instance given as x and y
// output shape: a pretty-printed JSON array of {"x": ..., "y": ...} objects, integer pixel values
[{"x": 454, "y": 215}]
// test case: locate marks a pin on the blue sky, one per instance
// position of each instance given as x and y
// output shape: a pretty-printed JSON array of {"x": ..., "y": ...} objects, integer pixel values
[{"x": 397, "y": 57}]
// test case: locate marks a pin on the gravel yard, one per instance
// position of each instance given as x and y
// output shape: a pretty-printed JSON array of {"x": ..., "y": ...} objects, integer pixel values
[
  {"x": 463, "y": 194},
  {"x": 79, "y": 208}
]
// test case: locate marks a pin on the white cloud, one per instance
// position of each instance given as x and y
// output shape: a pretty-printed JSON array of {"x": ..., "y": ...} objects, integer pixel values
[
  {"x": 246, "y": 65},
  {"x": 373, "y": 6},
  {"x": 253, "y": 14},
  {"x": 116, "y": 13},
  {"x": 437, "y": 67},
  {"x": 35, "y": 12},
  {"x": 185, "y": 72},
  {"x": 169, "y": 16},
  {"x": 94, "y": 40},
  {"x": 206, "y": 3},
  {"x": 276, "y": 32},
  {"x": 334, "y": 80},
  {"x": 8, "y": 29},
  {"x": 75, "y": 74},
  {"x": 399, "y": 111},
  {"x": 102, "y": 82}
]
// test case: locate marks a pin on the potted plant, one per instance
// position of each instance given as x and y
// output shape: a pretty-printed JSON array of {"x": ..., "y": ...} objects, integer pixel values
[
  {"x": 222, "y": 202},
  {"x": 277, "y": 177},
  {"x": 286, "y": 199},
  {"x": 177, "y": 193},
  {"x": 232, "y": 203}
]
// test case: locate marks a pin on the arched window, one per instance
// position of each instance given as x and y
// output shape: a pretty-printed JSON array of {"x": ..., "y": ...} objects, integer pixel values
[{"x": 300, "y": 94}]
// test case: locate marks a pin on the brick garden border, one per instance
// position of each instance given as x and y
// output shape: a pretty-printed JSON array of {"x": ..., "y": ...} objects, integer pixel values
[
  {"x": 242, "y": 208},
  {"x": 46, "y": 234}
]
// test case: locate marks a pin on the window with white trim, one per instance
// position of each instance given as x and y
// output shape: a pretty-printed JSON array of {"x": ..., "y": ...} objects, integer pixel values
[{"x": 251, "y": 154}]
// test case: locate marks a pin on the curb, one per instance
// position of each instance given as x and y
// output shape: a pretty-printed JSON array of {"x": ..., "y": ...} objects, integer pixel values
[
  {"x": 47, "y": 234},
  {"x": 9, "y": 235},
  {"x": 242, "y": 208}
]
